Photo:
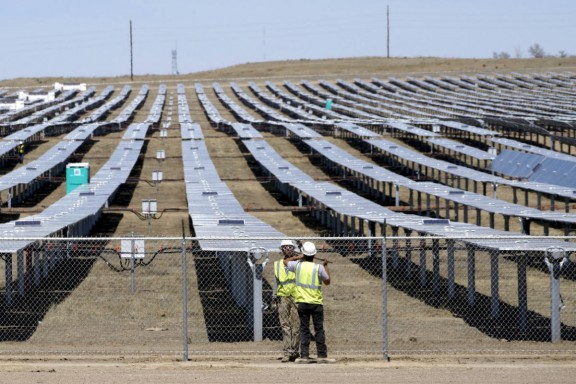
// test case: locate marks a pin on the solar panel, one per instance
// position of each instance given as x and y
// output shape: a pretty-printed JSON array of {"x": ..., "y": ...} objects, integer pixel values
[
  {"x": 554, "y": 171},
  {"x": 533, "y": 149},
  {"x": 516, "y": 164},
  {"x": 455, "y": 146}
]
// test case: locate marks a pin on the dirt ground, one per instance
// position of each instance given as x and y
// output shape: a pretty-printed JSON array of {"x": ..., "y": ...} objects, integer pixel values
[{"x": 433, "y": 370}]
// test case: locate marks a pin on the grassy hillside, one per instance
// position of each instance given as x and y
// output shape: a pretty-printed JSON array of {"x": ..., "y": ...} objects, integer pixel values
[{"x": 330, "y": 68}]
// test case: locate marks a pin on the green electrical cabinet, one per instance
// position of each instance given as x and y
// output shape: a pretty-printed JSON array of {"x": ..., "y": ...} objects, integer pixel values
[{"x": 76, "y": 174}]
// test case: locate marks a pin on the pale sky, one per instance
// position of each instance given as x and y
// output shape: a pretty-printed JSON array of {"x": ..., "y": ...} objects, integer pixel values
[{"x": 41, "y": 38}]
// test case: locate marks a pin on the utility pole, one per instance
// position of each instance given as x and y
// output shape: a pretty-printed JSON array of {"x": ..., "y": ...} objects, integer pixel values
[
  {"x": 388, "y": 31},
  {"x": 131, "y": 59},
  {"x": 175, "y": 62}
]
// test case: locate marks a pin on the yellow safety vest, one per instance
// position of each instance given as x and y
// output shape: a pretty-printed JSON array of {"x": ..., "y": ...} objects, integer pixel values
[
  {"x": 285, "y": 280},
  {"x": 308, "y": 285}
]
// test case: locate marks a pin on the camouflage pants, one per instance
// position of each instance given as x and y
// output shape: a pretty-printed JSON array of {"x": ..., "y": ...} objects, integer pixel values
[{"x": 290, "y": 323}]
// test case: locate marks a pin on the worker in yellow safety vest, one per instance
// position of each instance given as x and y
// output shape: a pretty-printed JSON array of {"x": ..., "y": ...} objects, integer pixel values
[
  {"x": 21, "y": 152},
  {"x": 309, "y": 279},
  {"x": 284, "y": 289}
]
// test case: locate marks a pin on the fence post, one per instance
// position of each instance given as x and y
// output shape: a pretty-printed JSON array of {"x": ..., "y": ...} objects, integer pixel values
[
  {"x": 132, "y": 250},
  {"x": 8, "y": 274},
  {"x": 555, "y": 258},
  {"x": 184, "y": 301},
  {"x": 385, "y": 298},
  {"x": 255, "y": 255},
  {"x": 21, "y": 273},
  {"x": 522, "y": 292},
  {"x": 495, "y": 291},
  {"x": 451, "y": 278}
]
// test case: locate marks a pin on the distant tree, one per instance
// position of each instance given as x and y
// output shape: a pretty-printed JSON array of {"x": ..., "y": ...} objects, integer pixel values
[
  {"x": 563, "y": 53},
  {"x": 501, "y": 55},
  {"x": 518, "y": 53},
  {"x": 536, "y": 51}
]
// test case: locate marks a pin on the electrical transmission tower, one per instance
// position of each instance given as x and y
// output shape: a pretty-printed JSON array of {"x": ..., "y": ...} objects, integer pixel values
[{"x": 175, "y": 62}]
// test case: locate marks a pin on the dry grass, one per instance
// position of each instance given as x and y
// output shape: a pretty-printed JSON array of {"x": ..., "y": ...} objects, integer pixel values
[{"x": 334, "y": 68}]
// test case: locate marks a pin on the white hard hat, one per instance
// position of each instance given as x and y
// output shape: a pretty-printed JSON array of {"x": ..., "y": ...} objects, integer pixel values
[
  {"x": 287, "y": 242},
  {"x": 308, "y": 249}
]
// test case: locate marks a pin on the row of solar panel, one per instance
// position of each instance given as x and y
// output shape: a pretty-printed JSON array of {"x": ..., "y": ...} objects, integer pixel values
[
  {"x": 76, "y": 213},
  {"x": 449, "y": 168},
  {"x": 213, "y": 209}
]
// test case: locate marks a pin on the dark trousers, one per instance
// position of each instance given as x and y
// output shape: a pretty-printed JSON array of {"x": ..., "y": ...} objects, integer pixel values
[{"x": 316, "y": 312}]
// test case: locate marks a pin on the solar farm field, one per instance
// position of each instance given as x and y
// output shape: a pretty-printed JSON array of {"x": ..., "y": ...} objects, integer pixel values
[{"x": 406, "y": 148}]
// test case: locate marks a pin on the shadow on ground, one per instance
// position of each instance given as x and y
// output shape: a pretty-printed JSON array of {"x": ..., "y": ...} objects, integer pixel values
[
  {"x": 406, "y": 278},
  {"x": 225, "y": 320}
]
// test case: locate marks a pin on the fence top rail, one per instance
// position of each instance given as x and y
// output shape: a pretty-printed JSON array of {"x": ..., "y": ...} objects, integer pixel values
[
  {"x": 455, "y": 236},
  {"x": 532, "y": 244}
]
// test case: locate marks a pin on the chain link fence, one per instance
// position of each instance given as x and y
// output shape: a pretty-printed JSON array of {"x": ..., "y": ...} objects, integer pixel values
[{"x": 166, "y": 296}]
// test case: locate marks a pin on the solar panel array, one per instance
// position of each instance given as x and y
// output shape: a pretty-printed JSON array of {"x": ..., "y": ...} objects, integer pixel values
[
  {"x": 214, "y": 210},
  {"x": 458, "y": 147},
  {"x": 343, "y": 204},
  {"x": 285, "y": 167},
  {"x": 155, "y": 113},
  {"x": 448, "y": 167},
  {"x": 134, "y": 105},
  {"x": 265, "y": 111},
  {"x": 102, "y": 111},
  {"x": 239, "y": 113},
  {"x": 513, "y": 144},
  {"x": 76, "y": 213},
  {"x": 293, "y": 129},
  {"x": 517, "y": 164},
  {"x": 557, "y": 172},
  {"x": 361, "y": 169},
  {"x": 70, "y": 114},
  {"x": 465, "y": 173},
  {"x": 211, "y": 112},
  {"x": 40, "y": 111},
  {"x": 399, "y": 105}
]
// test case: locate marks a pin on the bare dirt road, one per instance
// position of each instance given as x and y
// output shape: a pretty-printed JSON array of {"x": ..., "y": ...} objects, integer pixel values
[
  {"x": 458, "y": 370},
  {"x": 266, "y": 371}
]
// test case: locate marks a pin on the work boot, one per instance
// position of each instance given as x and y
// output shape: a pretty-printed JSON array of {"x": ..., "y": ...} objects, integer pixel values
[
  {"x": 304, "y": 360},
  {"x": 286, "y": 359},
  {"x": 294, "y": 356},
  {"x": 325, "y": 360}
]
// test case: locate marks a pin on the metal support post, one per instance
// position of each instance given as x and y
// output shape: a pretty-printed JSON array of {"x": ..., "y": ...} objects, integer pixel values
[
  {"x": 422, "y": 259},
  {"x": 522, "y": 292},
  {"x": 184, "y": 301},
  {"x": 254, "y": 256},
  {"x": 495, "y": 291},
  {"x": 21, "y": 274},
  {"x": 8, "y": 275},
  {"x": 555, "y": 259},
  {"x": 471, "y": 275},
  {"x": 132, "y": 267},
  {"x": 451, "y": 285},
  {"x": 395, "y": 251},
  {"x": 436, "y": 265},
  {"x": 385, "y": 298}
]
